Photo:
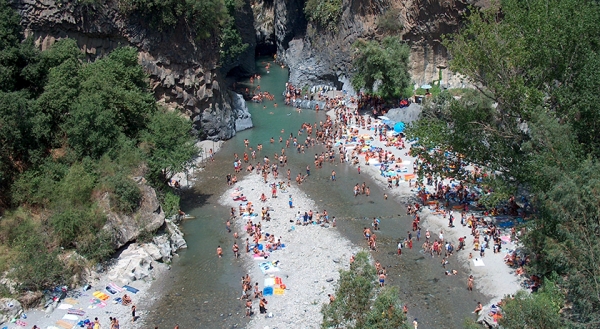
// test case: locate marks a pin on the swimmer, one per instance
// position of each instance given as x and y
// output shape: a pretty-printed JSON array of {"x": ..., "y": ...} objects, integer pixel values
[
  {"x": 219, "y": 251},
  {"x": 385, "y": 196}
]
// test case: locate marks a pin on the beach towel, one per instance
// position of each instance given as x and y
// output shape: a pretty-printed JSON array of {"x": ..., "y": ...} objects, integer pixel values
[
  {"x": 51, "y": 327},
  {"x": 70, "y": 301},
  {"x": 70, "y": 317},
  {"x": 268, "y": 291},
  {"x": 131, "y": 289},
  {"x": 111, "y": 290},
  {"x": 76, "y": 311},
  {"x": 278, "y": 291},
  {"x": 268, "y": 267},
  {"x": 64, "y": 306},
  {"x": 115, "y": 287},
  {"x": 269, "y": 282},
  {"x": 100, "y": 295},
  {"x": 21, "y": 323},
  {"x": 478, "y": 262},
  {"x": 65, "y": 324}
]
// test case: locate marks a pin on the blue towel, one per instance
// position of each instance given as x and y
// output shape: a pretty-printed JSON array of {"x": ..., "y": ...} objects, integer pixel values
[{"x": 131, "y": 289}]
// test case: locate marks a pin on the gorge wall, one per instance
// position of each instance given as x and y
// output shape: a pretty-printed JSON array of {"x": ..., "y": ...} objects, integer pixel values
[
  {"x": 318, "y": 56},
  {"x": 184, "y": 72}
]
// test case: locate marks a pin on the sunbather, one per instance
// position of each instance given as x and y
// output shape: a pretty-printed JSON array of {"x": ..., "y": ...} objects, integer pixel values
[{"x": 126, "y": 300}]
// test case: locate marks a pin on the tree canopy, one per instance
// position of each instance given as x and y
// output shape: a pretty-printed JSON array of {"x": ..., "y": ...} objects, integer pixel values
[
  {"x": 358, "y": 304},
  {"x": 532, "y": 121},
  {"x": 71, "y": 131},
  {"x": 381, "y": 66}
]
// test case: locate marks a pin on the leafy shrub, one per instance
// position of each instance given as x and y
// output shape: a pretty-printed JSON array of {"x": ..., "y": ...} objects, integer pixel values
[
  {"x": 96, "y": 247},
  {"x": 203, "y": 16},
  {"x": 126, "y": 195},
  {"x": 68, "y": 224},
  {"x": 389, "y": 22},
  {"x": 170, "y": 203},
  {"x": 231, "y": 43},
  {"x": 35, "y": 266},
  {"x": 324, "y": 13}
]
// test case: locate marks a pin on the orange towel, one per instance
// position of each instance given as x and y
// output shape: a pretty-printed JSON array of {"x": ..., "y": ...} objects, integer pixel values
[
  {"x": 65, "y": 324},
  {"x": 100, "y": 295}
]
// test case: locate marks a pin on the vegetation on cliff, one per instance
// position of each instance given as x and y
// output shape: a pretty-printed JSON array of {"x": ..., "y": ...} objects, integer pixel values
[
  {"x": 72, "y": 133},
  {"x": 204, "y": 18},
  {"x": 539, "y": 62},
  {"x": 324, "y": 13}
]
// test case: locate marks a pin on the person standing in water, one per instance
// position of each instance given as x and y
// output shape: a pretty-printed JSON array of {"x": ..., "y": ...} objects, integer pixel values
[
  {"x": 219, "y": 251},
  {"x": 291, "y": 202}
]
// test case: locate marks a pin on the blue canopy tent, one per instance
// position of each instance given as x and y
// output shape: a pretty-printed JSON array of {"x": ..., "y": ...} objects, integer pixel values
[
  {"x": 388, "y": 123},
  {"x": 399, "y": 127}
]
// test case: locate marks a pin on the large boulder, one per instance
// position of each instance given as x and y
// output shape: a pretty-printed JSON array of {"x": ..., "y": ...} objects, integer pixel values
[
  {"x": 176, "y": 236},
  {"x": 134, "y": 263},
  {"x": 9, "y": 309},
  {"x": 126, "y": 228},
  {"x": 243, "y": 117}
]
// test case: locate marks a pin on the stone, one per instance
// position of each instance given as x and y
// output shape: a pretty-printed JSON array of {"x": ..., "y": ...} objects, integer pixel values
[
  {"x": 149, "y": 217},
  {"x": 9, "y": 309},
  {"x": 243, "y": 117}
]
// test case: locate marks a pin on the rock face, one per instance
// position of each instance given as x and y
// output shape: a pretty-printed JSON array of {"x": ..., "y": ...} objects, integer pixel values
[
  {"x": 127, "y": 228},
  {"x": 317, "y": 56},
  {"x": 138, "y": 260},
  {"x": 243, "y": 119},
  {"x": 183, "y": 70}
]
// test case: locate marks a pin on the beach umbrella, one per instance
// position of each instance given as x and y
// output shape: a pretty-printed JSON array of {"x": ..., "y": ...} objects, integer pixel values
[
  {"x": 399, "y": 127},
  {"x": 426, "y": 86}
]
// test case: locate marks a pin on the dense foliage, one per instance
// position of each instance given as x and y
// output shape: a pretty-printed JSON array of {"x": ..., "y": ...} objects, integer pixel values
[
  {"x": 539, "y": 63},
  {"x": 325, "y": 13},
  {"x": 359, "y": 304},
  {"x": 382, "y": 66},
  {"x": 205, "y": 18},
  {"x": 71, "y": 133}
]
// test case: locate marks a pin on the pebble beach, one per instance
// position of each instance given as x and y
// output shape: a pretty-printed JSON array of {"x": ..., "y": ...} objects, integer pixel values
[{"x": 308, "y": 265}]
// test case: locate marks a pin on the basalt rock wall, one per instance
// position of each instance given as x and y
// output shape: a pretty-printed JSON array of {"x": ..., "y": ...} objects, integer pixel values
[
  {"x": 184, "y": 71},
  {"x": 317, "y": 56}
]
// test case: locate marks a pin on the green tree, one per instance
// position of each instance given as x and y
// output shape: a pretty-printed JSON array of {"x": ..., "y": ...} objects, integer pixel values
[
  {"x": 538, "y": 310},
  {"x": 383, "y": 64},
  {"x": 113, "y": 102},
  {"x": 169, "y": 146},
  {"x": 533, "y": 60},
  {"x": 358, "y": 304}
]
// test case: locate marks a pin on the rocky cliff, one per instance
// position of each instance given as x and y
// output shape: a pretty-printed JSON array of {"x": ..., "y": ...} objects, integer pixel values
[
  {"x": 319, "y": 56},
  {"x": 183, "y": 70}
]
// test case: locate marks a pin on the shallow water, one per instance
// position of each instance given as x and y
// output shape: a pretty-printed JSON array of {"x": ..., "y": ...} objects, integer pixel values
[{"x": 201, "y": 290}]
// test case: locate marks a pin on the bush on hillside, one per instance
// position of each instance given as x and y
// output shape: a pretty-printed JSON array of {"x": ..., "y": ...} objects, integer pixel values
[{"x": 324, "y": 13}]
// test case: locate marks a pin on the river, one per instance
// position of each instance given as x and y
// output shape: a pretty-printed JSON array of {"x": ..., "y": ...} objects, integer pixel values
[{"x": 201, "y": 291}]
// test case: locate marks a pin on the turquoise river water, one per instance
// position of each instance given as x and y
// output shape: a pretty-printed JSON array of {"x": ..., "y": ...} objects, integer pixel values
[{"x": 201, "y": 291}]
